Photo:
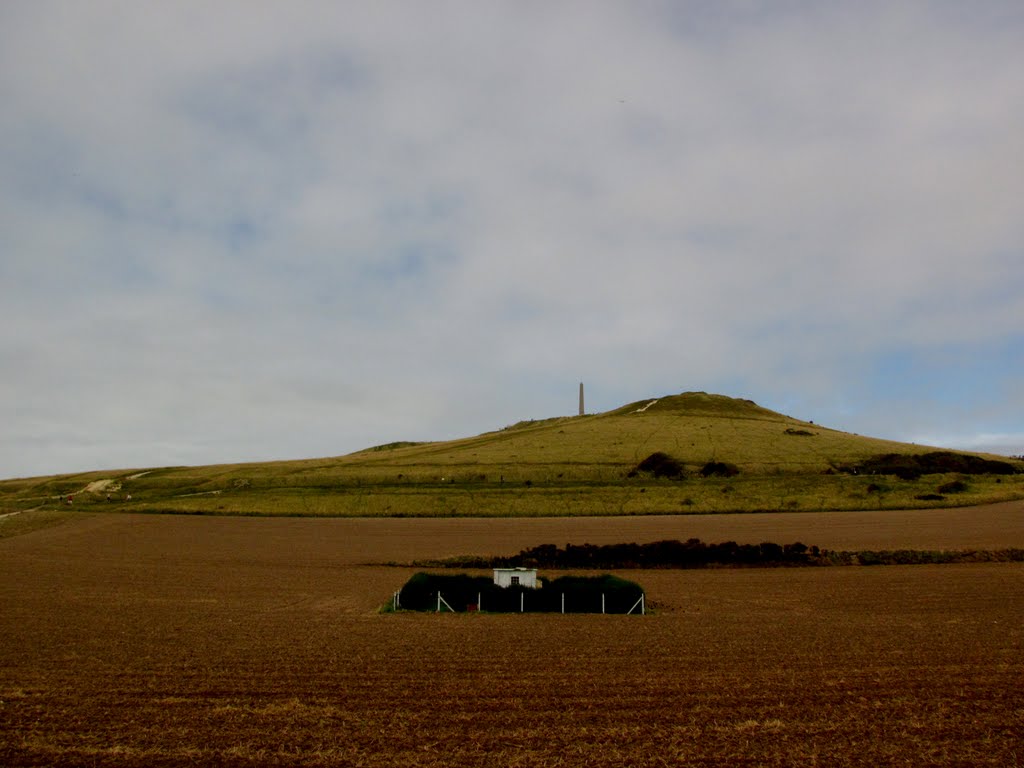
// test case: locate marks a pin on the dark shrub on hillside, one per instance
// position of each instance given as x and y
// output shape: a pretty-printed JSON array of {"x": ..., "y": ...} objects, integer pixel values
[
  {"x": 929, "y": 497},
  {"x": 911, "y": 466},
  {"x": 956, "y": 486},
  {"x": 719, "y": 469},
  {"x": 660, "y": 465},
  {"x": 945, "y": 461}
]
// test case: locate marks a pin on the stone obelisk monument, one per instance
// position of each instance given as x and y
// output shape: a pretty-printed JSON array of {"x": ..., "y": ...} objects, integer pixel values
[{"x": 581, "y": 399}]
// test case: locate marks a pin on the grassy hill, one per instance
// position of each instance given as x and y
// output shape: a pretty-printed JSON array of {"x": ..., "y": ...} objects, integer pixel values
[{"x": 687, "y": 453}]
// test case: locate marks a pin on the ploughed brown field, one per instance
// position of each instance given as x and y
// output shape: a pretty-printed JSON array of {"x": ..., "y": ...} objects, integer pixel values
[{"x": 129, "y": 640}]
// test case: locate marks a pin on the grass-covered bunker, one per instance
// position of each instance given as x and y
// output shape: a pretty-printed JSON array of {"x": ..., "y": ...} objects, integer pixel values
[{"x": 565, "y": 594}]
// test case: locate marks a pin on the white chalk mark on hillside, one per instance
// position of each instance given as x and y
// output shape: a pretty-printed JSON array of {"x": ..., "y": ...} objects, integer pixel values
[
  {"x": 98, "y": 485},
  {"x": 641, "y": 410}
]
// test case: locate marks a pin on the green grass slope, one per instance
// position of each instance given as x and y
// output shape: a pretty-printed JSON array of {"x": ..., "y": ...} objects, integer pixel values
[{"x": 583, "y": 465}]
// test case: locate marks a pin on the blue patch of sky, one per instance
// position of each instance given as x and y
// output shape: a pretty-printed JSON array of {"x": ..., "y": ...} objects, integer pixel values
[
  {"x": 718, "y": 238},
  {"x": 418, "y": 248},
  {"x": 1002, "y": 286},
  {"x": 520, "y": 307},
  {"x": 226, "y": 297},
  {"x": 1006, "y": 289},
  {"x": 405, "y": 212},
  {"x": 968, "y": 382},
  {"x": 53, "y": 170},
  {"x": 51, "y": 167},
  {"x": 1000, "y": 16},
  {"x": 731, "y": 386},
  {"x": 715, "y": 22},
  {"x": 950, "y": 375},
  {"x": 412, "y": 260},
  {"x": 133, "y": 274},
  {"x": 41, "y": 163},
  {"x": 269, "y": 105},
  {"x": 243, "y": 232},
  {"x": 792, "y": 335},
  {"x": 103, "y": 201}
]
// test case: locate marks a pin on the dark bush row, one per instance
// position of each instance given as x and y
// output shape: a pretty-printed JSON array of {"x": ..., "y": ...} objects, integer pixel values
[
  {"x": 581, "y": 594},
  {"x": 661, "y": 465},
  {"x": 692, "y": 553},
  {"x": 912, "y": 466},
  {"x": 922, "y": 557}
]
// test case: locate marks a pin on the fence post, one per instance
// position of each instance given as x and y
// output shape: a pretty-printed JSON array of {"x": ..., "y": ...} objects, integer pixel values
[
  {"x": 522, "y": 602},
  {"x": 639, "y": 602},
  {"x": 479, "y": 602},
  {"x": 563, "y": 602},
  {"x": 438, "y": 602},
  {"x": 602, "y": 602}
]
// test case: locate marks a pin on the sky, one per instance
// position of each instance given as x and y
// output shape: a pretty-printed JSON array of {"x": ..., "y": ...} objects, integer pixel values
[{"x": 250, "y": 230}]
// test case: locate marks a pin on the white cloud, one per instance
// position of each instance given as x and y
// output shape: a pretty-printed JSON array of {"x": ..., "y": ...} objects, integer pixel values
[{"x": 222, "y": 222}]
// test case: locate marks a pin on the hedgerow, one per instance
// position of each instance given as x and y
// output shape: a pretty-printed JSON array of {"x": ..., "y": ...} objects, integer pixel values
[
  {"x": 911, "y": 467},
  {"x": 694, "y": 553}
]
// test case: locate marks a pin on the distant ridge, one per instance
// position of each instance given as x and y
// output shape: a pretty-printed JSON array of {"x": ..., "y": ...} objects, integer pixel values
[{"x": 686, "y": 453}]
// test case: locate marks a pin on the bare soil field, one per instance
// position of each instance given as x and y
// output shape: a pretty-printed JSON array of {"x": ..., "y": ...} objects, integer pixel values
[{"x": 137, "y": 640}]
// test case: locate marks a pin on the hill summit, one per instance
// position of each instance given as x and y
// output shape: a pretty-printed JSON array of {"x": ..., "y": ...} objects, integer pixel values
[{"x": 682, "y": 453}]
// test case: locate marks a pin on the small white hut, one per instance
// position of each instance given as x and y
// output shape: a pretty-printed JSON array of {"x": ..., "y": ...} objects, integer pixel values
[{"x": 516, "y": 577}]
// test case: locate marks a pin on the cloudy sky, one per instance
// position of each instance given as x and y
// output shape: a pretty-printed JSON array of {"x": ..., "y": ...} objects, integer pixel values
[{"x": 259, "y": 230}]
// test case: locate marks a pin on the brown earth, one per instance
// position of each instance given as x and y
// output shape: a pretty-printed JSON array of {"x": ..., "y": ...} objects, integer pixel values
[{"x": 132, "y": 640}]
